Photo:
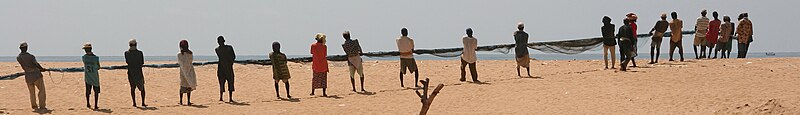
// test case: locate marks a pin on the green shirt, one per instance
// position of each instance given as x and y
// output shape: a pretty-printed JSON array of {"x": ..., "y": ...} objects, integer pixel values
[{"x": 91, "y": 65}]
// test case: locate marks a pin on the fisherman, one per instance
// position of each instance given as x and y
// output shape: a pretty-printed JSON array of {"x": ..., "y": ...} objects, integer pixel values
[
  {"x": 726, "y": 33},
  {"x": 744, "y": 33},
  {"x": 319, "y": 64},
  {"x": 655, "y": 46},
  {"x": 609, "y": 41},
  {"x": 91, "y": 78},
  {"x": 521, "y": 49},
  {"x": 634, "y": 40},
  {"x": 625, "y": 36},
  {"x": 225, "y": 73},
  {"x": 676, "y": 40},
  {"x": 713, "y": 34},
  {"x": 33, "y": 76},
  {"x": 405, "y": 45},
  {"x": 280, "y": 69},
  {"x": 353, "y": 50},
  {"x": 135, "y": 59},
  {"x": 468, "y": 57},
  {"x": 701, "y": 28},
  {"x": 187, "y": 75}
]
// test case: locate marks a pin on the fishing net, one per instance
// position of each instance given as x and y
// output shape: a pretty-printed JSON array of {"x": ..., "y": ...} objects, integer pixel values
[{"x": 575, "y": 46}]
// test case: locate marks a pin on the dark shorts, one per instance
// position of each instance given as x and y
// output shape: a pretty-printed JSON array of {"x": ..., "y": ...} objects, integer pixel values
[
  {"x": 408, "y": 64},
  {"x": 136, "y": 83},
  {"x": 725, "y": 46},
  {"x": 225, "y": 77},
  {"x": 90, "y": 88},
  {"x": 186, "y": 90}
]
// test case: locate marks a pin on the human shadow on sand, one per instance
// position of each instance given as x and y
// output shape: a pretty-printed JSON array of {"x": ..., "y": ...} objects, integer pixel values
[
  {"x": 480, "y": 83},
  {"x": 197, "y": 106},
  {"x": 365, "y": 93},
  {"x": 333, "y": 96},
  {"x": 532, "y": 77},
  {"x": 42, "y": 111},
  {"x": 289, "y": 99},
  {"x": 147, "y": 108},
  {"x": 104, "y": 110},
  {"x": 238, "y": 103}
]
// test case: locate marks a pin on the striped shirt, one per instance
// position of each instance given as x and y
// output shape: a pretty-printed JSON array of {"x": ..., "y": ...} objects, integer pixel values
[{"x": 701, "y": 26}]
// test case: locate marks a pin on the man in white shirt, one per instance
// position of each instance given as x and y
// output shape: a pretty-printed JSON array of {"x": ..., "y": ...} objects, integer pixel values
[
  {"x": 405, "y": 45},
  {"x": 468, "y": 57}
]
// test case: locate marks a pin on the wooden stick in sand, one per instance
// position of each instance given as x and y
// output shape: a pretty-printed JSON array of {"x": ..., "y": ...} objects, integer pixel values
[{"x": 424, "y": 98}]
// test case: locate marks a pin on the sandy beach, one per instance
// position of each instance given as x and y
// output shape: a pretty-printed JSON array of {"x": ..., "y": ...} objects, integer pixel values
[{"x": 719, "y": 86}]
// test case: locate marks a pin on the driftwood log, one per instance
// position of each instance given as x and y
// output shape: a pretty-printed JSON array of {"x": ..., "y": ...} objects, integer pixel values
[{"x": 424, "y": 98}]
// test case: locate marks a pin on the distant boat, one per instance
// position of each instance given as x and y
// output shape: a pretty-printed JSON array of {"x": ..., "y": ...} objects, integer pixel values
[{"x": 770, "y": 53}]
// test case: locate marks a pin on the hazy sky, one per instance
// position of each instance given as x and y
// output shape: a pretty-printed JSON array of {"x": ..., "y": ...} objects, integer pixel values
[{"x": 59, "y": 27}]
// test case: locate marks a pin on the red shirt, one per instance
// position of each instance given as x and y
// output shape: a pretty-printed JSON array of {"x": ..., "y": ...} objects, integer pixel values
[
  {"x": 713, "y": 31},
  {"x": 319, "y": 62}
]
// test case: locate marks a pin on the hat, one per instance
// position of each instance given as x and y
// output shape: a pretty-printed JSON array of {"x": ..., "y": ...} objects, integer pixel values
[
  {"x": 632, "y": 16},
  {"x": 23, "y": 44},
  {"x": 132, "y": 42},
  {"x": 319, "y": 36},
  {"x": 87, "y": 45},
  {"x": 663, "y": 15}
]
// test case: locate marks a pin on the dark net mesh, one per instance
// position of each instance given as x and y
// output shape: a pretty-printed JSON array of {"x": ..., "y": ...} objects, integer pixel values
[{"x": 575, "y": 46}]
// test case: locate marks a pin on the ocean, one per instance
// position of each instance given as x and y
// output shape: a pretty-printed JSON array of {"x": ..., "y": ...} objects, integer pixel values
[{"x": 485, "y": 56}]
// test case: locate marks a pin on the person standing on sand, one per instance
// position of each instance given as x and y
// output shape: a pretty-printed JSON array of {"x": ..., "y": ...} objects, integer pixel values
[
  {"x": 633, "y": 17},
  {"x": 655, "y": 46},
  {"x": 354, "y": 63},
  {"x": 225, "y": 73},
  {"x": 701, "y": 28},
  {"x": 91, "y": 64},
  {"x": 319, "y": 65},
  {"x": 33, "y": 76},
  {"x": 135, "y": 59},
  {"x": 676, "y": 40},
  {"x": 468, "y": 57},
  {"x": 625, "y": 35},
  {"x": 713, "y": 34},
  {"x": 521, "y": 49},
  {"x": 187, "y": 75},
  {"x": 405, "y": 45},
  {"x": 280, "y": 68},
  {"x": 726, "y": 33},
  {"x": 744, "y": 33},
  {"x": 609, "y": 41}
]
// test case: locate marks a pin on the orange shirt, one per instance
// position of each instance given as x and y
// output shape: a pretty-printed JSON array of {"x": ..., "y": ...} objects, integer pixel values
[{"x": 319, "y": 62}]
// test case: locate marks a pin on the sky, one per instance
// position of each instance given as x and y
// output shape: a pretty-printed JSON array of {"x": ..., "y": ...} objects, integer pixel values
[{"x": 59, "y": 27}]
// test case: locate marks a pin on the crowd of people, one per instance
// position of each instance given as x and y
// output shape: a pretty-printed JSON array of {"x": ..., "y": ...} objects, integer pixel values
[{"x": 709, "y": 34}]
